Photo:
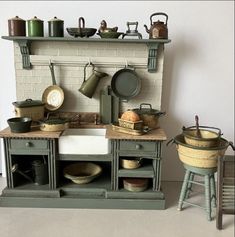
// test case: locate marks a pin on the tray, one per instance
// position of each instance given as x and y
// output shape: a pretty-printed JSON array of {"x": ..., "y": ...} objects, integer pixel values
[{"x": 117, "y": 128}]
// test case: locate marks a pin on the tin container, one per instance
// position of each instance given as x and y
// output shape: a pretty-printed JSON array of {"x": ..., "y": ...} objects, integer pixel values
[
  {"x": 16, "y": 27},
  {"x": 135, "y": 184},
  {"x": 40, "y": 171},
  {"x": 35, "y": 27},
  {"x": 56, "y": 27},
  {"x": 29, "y": 108}
]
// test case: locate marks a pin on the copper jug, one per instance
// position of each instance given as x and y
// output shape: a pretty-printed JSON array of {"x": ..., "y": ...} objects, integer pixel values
[{"x": 158, "y": 29}]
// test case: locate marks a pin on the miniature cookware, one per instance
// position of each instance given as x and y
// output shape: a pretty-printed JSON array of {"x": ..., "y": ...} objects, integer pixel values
[
  {"x": 158, "y": 29},
  {"x": 53, "y": 96},
  {"x": 126, "y": 84},
  {"x": 149, "y": 115}
]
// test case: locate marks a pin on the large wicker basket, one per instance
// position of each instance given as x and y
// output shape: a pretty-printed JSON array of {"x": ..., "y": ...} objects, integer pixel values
[{"x": 202, "y": 157}]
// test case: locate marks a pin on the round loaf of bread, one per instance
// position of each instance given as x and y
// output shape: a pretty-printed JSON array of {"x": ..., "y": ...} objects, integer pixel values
[{"x": 130, "y": 116}]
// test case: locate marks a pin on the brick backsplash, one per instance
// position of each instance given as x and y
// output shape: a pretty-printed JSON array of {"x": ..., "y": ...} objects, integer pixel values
[{"x": 32, "y": 83}]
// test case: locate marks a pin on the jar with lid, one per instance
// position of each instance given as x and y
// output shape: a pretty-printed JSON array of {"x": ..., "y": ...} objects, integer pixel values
[
  {"x": 35, "y": 27},
  {"x": 16, "y": 27}
]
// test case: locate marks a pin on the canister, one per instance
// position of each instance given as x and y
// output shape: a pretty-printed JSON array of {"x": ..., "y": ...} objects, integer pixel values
[
  {"x": 40, "y": 171},
  {"x": 35, "y": 27},
  {"x": 56, "y": 27},
  {"x": 16, "y": 27},
  {"x": 29, "y": 108}
]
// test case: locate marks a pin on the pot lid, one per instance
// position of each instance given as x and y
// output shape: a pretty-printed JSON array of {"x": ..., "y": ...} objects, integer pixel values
[
  {"x": 34, "y": 19},
  {"x": 55, "y": 19},
  {"x": 27, "y": 103},
  {"x": 16, "y": 18},
  {"x": 149, "y": 110}
]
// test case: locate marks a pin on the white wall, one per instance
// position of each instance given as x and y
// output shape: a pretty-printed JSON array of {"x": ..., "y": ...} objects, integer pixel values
[{"x": 199, "y": 62}]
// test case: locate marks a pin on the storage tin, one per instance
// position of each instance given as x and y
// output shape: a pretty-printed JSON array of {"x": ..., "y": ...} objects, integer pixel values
[
  {"x": 56, "y": 27},
  {"x": 29, "y": 108},
  {"x": 16, "y": 27},
  {"x": 35, "y": 27}
]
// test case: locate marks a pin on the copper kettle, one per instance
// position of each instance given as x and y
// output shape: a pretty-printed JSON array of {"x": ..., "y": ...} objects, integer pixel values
[{"x": 158, "y": 29}]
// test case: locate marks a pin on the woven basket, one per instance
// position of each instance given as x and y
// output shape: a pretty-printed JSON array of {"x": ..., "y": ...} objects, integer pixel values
[{"x": 201, "y": 157}]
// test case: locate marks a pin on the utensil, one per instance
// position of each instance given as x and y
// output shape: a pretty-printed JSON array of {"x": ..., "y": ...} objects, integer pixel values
[
  {"x": 16, "y": 26},
  {"x": 56, "y": 27},
  {"x": 158, "y": 29},
  {"x": 81, "y": 31},
  {"x": 126, "y": 84},
  {"x": 82, "y": 172},
  {"x": 198, "y": 134},
  {"x": 134, "y": 32},
  {"x": 89, "y": 85},
  {"x": 53, "y": 96},
  {"x": 35, "y": 27},
  {"x": 149, "y": 115},
  {"x": 19, "y": 124}
]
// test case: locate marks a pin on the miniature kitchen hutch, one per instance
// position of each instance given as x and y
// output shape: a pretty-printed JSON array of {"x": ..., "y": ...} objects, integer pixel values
[{"x": 31, "y": 57}]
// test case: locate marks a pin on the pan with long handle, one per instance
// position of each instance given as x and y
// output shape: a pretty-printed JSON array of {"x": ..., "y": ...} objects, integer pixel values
[
  {"x": 126, "y": 84},
  {"x": 53, "y": 96}
]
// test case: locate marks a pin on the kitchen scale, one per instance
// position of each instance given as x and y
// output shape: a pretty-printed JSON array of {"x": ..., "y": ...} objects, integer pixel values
[{"x": 130, "y": 32}]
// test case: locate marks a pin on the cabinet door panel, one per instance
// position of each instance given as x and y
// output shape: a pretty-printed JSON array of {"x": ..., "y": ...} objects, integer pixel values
[{"x": 137, "y": 146}]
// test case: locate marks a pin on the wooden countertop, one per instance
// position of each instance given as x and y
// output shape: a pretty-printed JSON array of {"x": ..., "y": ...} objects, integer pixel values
[
  {"x": 34, "y": 133},
  {"x": 155, "y": 135}
]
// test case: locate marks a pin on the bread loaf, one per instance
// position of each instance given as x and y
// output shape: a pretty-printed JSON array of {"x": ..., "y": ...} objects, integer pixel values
[{"x": 130, "y": 116}]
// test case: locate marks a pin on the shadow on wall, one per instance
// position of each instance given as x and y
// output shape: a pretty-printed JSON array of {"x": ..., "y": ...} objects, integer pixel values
[{"x": 175, "y": 57}]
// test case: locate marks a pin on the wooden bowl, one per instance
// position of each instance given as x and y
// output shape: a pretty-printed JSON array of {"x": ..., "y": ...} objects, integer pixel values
[{"x": 82, "y": 172}]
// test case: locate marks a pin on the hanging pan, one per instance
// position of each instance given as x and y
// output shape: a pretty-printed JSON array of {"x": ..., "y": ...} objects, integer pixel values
[
  {"x": 53, "y": 96},
  {"x": 126, "y": 84}
]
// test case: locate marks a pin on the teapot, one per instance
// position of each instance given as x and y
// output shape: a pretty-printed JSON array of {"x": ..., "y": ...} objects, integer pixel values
[{"x": 158, "y": 29}]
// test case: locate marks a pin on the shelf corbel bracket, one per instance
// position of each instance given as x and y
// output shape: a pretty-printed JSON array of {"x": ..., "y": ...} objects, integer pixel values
[
  {"x": 25, "y": 52},
  {"x": 152, "y": 56}
]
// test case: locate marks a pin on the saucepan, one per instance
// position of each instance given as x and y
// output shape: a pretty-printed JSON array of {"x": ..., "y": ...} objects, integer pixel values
[{"x": 126, "y": 84}]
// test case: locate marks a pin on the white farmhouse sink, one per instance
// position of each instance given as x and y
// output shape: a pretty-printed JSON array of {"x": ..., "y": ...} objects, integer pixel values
[{"x": 84, "y": 141}]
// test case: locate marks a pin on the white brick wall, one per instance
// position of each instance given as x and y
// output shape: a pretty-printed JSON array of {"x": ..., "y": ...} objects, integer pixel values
[{"x": 32, "y": 83}]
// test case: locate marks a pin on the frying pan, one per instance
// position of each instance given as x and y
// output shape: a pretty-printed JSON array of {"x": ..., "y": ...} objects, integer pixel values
[
  {"x": 126, "y": 84},
  {"x": 53, "y": 96}
]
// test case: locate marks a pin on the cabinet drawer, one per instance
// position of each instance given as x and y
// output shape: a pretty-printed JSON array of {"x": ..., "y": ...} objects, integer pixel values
[
  {"x": 28, "y": 144},
  {"x": 137, "y": 146}
]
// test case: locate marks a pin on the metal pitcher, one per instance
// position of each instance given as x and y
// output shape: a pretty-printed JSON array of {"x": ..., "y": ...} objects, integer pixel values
[
  {"x": 89, "y": 85},
  {"x": 158, "y": 29}
]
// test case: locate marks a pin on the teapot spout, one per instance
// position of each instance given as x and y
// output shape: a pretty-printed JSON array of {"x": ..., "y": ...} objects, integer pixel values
[{"x": 147, "y": 30}]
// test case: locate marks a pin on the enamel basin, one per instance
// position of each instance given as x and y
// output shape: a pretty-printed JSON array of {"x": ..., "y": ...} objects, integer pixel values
[{"x": 84, "y": 141}]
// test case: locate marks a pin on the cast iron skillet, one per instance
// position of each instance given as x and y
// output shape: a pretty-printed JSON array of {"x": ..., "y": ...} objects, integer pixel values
[{"x": 126, "y": 84}]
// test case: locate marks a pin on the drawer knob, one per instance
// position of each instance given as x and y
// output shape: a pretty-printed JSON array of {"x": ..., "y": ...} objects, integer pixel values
[
  {"x": 28, "y": 144},
  {"x": 137, "y": 146}
]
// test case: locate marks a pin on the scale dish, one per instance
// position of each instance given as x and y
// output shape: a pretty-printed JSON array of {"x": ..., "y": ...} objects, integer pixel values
[{"x": 110, "y": 34}]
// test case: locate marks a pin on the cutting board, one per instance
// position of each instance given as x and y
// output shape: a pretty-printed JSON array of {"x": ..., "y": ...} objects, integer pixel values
[{"x": 109, "y": 106}]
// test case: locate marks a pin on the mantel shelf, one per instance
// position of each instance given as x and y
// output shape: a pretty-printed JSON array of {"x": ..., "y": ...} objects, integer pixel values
[{"x": 25, "y": 42}]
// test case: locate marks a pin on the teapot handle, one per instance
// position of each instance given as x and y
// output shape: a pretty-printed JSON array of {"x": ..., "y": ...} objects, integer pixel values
[
  {"x": 159, "y": 13},
  {"x": 81, "y": 21}
]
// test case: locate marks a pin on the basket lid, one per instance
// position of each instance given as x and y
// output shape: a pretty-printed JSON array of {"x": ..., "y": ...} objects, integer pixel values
[{"x": 27, "y": 103}]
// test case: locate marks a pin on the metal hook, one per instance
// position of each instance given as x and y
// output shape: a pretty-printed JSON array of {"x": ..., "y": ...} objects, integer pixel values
[{"x": 126, "y": 63}]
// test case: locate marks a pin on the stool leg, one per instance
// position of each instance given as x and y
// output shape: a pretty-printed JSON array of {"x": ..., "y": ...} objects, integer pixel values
[
  {"x": 183, "y": 190},
  {"x": 189, "y": 188},
  {"x": 213, "y": 190},
  {"x": 208, "y": 197}
]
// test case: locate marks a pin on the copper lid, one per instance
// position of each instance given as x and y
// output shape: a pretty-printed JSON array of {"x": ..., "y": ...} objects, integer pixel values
[{"x": 16, "y": 18}]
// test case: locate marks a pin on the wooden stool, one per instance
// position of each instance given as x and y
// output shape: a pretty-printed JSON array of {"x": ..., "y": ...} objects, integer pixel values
[{"x": 209, "y": 184}]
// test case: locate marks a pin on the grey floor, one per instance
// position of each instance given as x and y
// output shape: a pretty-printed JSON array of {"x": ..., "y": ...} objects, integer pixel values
[{"x": 191, "y": 221}]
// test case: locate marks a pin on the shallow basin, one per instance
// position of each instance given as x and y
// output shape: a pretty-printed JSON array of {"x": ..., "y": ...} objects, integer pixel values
[{"x": 84, "y": 141}]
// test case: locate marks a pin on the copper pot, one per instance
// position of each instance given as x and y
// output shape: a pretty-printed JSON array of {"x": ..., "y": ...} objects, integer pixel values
[{"x": 16, "y": 27}]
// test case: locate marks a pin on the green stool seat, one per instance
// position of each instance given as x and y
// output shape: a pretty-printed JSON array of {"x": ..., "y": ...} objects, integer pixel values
[{"x": 209, "y": 184}]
